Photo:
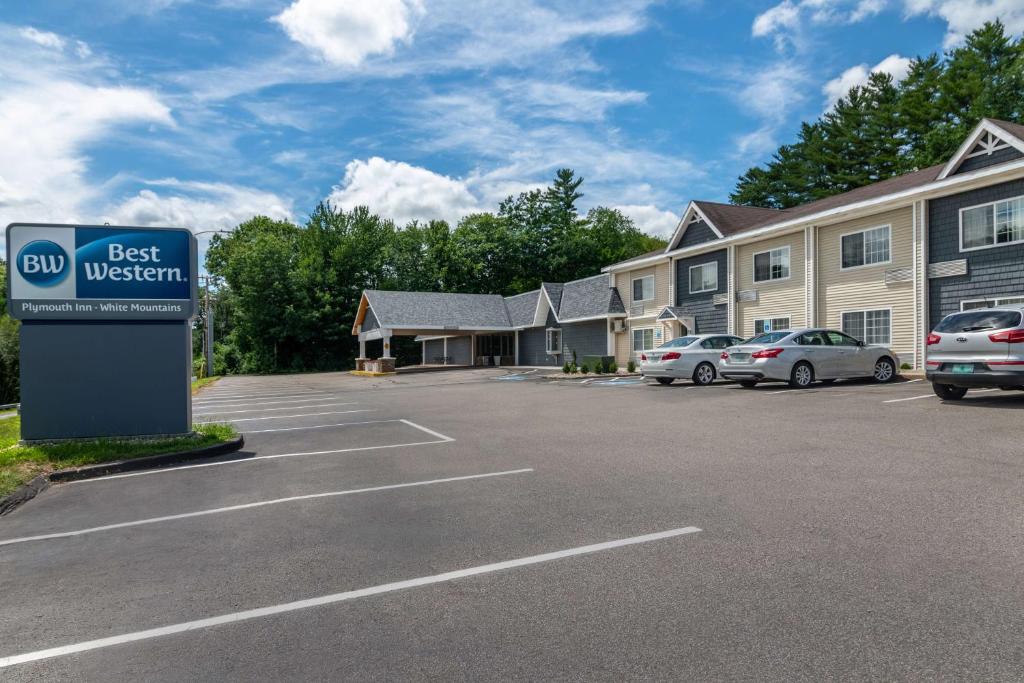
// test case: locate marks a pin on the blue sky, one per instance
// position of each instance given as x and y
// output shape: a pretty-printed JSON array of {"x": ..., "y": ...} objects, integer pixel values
[{"x": 200, "y": 114}]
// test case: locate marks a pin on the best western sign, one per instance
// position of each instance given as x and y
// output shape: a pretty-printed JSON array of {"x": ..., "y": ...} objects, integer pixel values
[{"x": 61, "y": 272}]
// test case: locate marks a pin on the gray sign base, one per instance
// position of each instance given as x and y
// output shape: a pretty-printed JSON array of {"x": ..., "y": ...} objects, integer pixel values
[{"x": 105, "y": 379}]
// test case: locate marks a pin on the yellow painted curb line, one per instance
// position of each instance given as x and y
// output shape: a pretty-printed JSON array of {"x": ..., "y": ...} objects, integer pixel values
[{"x": 367, "y": 373}]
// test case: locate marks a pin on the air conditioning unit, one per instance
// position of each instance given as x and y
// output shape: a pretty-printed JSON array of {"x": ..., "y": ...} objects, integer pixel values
[{"x": 618, "y": 325}]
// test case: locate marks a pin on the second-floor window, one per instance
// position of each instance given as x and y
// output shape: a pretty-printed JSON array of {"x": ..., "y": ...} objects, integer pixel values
[
  {"x": 643, "y": 288},
  {"x": 771, "y": 265},
  {"x": 992, "y": 224},
  {"x": 866, "y": 247},
  {"x": 704, "y": 278}
]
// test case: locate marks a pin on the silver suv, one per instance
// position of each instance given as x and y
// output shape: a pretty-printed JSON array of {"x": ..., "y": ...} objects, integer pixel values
[{"x": 976, "y": 349}]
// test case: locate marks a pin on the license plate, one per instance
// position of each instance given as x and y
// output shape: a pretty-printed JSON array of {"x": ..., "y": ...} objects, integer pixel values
[
  {"x": 741, "y": 357},
  {"x": 654, "y": 358},
  {"x": 963, "y": 368}
]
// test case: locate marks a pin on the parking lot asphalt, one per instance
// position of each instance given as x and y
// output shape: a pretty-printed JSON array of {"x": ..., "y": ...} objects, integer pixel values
[{"x": 488, "y": 525}]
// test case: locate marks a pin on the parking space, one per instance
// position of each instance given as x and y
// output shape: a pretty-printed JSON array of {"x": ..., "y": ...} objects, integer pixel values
[{"x": 466, "y": 528}]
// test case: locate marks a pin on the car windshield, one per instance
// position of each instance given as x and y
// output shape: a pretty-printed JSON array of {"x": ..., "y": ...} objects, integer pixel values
[
  {"x": 975, "y": 321},
  {"x": 678, "y": 342},
  {"x": 768, "y": 338}
]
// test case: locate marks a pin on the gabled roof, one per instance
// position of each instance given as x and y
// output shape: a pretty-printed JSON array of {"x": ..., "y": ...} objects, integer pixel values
[
  {"x": 730, "y": 219},
  {"x": 1010, "y": 134},
  {"x": 522, "y": 307},
  {"x": 554, "y": 292},
  {"x": 590, "y": 297},
  {"x": 432, "y": 310}
]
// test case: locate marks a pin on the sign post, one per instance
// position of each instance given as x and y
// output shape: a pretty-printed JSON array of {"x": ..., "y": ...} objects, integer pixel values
[{"x": 106, "y": 345}]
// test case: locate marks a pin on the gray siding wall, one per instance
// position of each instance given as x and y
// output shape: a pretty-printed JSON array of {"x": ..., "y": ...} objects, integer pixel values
[
  {"x": 369, "y": 321},
  {"x": 434, "y": 349},
  {"x": 697, "y": 233},
  {"x": 996, "y": 271},
  {"x": 586, "y": 339},
  {"x": 986, "y": 160},
  {"x": 710, "y": 319},
  {"x": 533, "y": 342}
]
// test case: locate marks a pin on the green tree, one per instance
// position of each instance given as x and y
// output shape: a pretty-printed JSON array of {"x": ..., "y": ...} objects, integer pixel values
[{"x": 9, "y": 347}]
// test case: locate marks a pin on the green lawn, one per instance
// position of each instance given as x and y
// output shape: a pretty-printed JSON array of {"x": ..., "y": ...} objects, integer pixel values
[
  {"x": 205, "y": 381},
  {"x": 19, "y": 464}
]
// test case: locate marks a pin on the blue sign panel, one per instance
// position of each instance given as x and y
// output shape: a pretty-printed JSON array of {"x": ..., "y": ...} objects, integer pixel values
[
  {"x": 123, "y": 264},
  {"x": 64, "y": 272}
]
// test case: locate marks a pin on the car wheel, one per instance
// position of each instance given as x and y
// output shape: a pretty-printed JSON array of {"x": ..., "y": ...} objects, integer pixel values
[
  {"x": 748, "y": 383},
  {"x": 802, "y": 376},
  {"x": 704, "y": 374},
  {"x": 885, "y": 370},
  {"x": 664, "y": 380},
  {"x": 947, "y": 392}
]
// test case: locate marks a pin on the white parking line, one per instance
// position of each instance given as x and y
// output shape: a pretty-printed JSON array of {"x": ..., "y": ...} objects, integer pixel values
[
  {"x": 336, "y": 424},
  {"x": 268, "y": 410},
  {"x": 242, "y": 461},
  {"x": 337, "y": 597},
  {"x": 428, "y": 431},
  {"x": 262, "y": 503},
  {"x": 229, "y": 397},
  {"x": 912, "y": 398},
  {"x": 246, "y": 404},
  {"x": 285, "y": 417}
]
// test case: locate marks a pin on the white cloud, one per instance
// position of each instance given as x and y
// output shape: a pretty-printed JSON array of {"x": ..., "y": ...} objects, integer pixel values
[
  {"x": 198, "y": 206},
  {"x": 564, "y": 101},
  {"x": 51, "y": 110},
  {"x": 784, "y": 23},
  {"x": 963, "y": 16},
  {"x": 403, "y": 192},
  {"x": 345, "y": 33},
  {"x": 894, "y": 65},
  {"x": 44, "y": 38},
  {"x": 651, "y": 219}
]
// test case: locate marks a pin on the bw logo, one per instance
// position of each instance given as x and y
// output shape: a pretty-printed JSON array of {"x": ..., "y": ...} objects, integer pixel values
[{"x": 43, "y": 263}]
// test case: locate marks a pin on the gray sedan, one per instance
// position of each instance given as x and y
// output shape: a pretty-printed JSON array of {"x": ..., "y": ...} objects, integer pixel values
[
  {"x": 692, "y": 357},
  {"x": 802, "y": 356}
]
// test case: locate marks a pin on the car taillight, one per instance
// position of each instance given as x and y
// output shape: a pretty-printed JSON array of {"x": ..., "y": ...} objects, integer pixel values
[
  {"x": 767, "y": 353},
  {"x": 725, "y": 355},
  {"x": 1008, "y": 336},
  {"x": 643, "y": 356},
  {"x": 933, "y": 339},
  {"x": 672, "y": 355}
]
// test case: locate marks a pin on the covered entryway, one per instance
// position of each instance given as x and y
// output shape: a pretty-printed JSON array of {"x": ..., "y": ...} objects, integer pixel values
[{"x": 676, "y": 322}]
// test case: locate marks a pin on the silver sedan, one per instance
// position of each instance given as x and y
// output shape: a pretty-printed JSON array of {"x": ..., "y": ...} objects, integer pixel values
[
  {"x": 802, "y": 356},
  {"x": 693, "y": 357}
]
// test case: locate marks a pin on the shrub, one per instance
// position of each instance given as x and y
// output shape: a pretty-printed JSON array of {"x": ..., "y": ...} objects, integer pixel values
[
  {"x": 631, "y": 366},
  {"x": 905, "y": 366},
  {"x": 566, "y": 368},
  {"x": 613, "y": 367},
  {"x": 584, "y": 368}
]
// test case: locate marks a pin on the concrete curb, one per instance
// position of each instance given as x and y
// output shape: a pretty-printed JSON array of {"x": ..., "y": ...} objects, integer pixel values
[
  {"x": 27, "y": 492},
  {"x": 147, "y": 462}
]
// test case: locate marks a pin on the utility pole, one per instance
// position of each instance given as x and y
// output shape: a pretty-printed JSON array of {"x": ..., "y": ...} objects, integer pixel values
[{"x": 208, "y": 309}]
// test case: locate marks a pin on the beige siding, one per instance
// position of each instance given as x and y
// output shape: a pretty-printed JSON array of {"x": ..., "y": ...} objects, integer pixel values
[
  {"x": 662, "y": 273},
  {"x": 864, "y": 288},
  {"x": 775, "y": 299}
]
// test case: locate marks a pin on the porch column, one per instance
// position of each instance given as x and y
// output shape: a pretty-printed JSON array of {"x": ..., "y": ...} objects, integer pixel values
[
  {"x": 445, "y": 352},
  {"x": 517, "y": 347},
  {"x": 423, "y": 352},
  {"x": 362, "y": 348},
  {"x": 386, "y": 336}
]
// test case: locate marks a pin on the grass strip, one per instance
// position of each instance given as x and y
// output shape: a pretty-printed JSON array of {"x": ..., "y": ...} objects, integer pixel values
[{"x": 20, "y": 463}]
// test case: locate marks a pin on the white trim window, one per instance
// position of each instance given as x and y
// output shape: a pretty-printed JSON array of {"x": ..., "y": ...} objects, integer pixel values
[
  {"x": 991, "y": 225},
  {"x": 643, "y": 339},
  {"x": 643, "y": 288},
  {"x": 771, "y": 265},
  {"x": 553, "y": 341},
  {"x": 762, "y": 325},
  {"x": 866, "y": 247},
  {"x": 870, "y": 327},
  {"x": 971, "y": 304},
  {"x": 704, "y": 278}
]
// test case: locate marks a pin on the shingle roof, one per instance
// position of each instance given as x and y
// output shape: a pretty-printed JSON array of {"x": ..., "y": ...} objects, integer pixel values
[
  {"x": 522, "y": 308},
  {"x": 430, "y": 309},
  {"x": 554, "y": 290},
  {"x": 733, "y": 218},
  {"x": 641, "y": 257},
  {"x": 1014, "y": 129},
  {"x": 588, "y": 298}
]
